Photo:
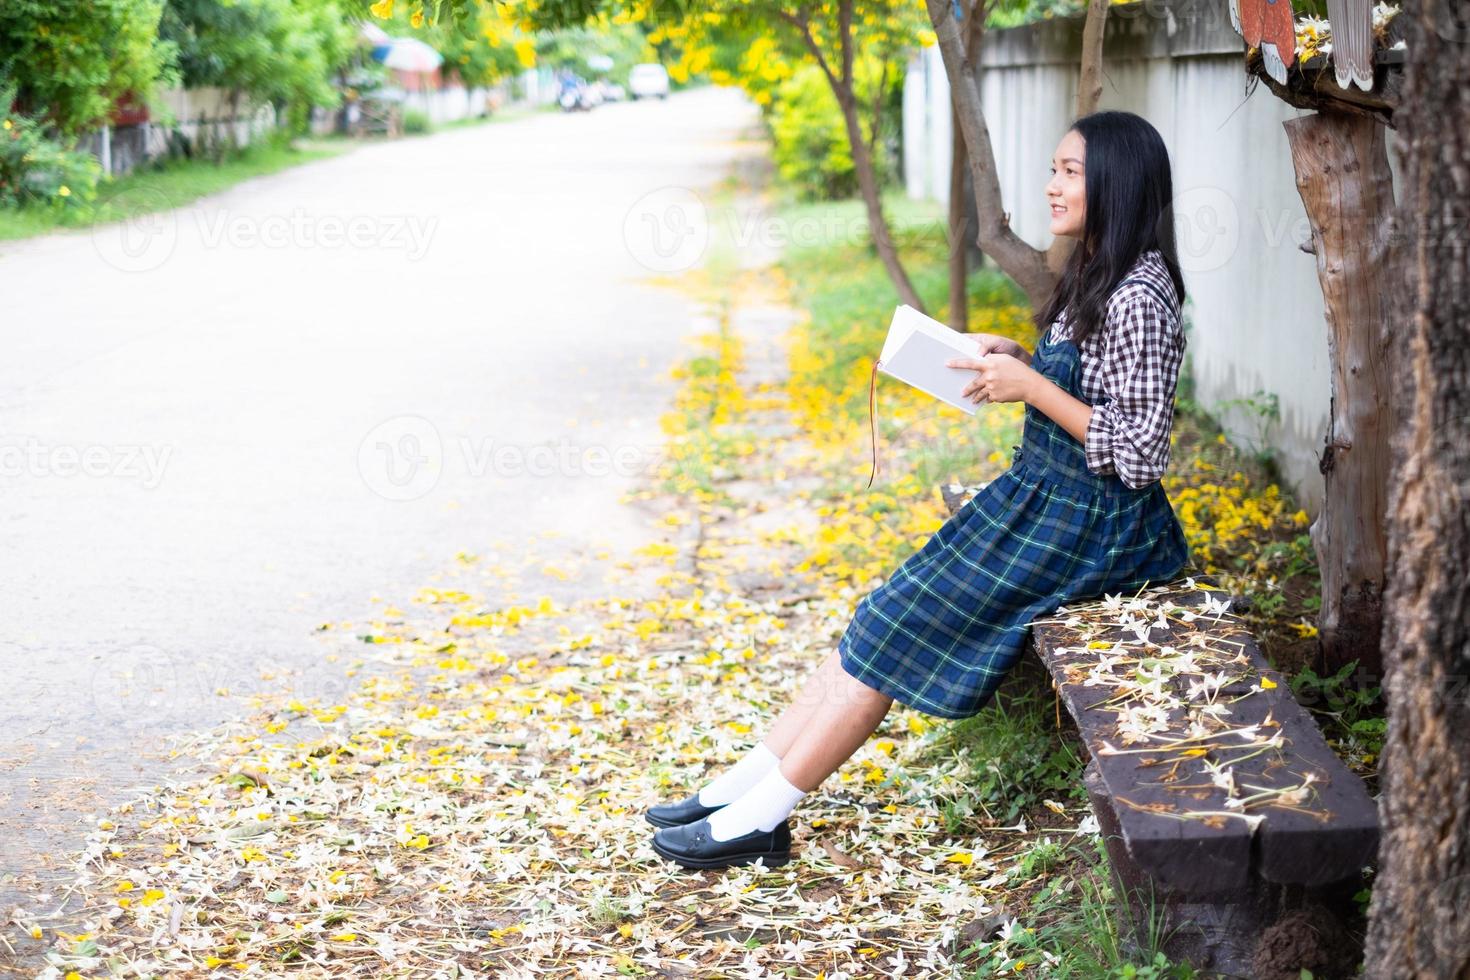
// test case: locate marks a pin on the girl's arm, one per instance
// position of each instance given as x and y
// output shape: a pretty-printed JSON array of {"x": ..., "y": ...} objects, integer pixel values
[
  {"x": 1127, "y": 431},
  {"x": 1070, "y": 413}
]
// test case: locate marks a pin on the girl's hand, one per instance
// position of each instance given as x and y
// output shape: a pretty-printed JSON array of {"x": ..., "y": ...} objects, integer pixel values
[
  {"x": 989, "y": 343},
  {"x": 998, "y": 378}
]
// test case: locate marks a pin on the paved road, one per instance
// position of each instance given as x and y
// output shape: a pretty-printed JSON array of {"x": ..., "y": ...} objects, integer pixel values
[{"x": 251, "y": 416}]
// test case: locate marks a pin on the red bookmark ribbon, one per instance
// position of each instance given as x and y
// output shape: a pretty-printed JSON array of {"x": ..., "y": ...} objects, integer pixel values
[{"x": 873, "y": 419}]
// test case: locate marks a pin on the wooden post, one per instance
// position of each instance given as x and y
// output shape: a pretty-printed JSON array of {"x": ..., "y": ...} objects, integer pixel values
[{"x": 1342, "y": 174}]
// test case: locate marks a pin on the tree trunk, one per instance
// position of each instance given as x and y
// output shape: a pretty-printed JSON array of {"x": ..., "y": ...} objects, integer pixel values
[
  {"x": 1089, "y": 93},
  {"x": 840, "y": 79},
  {"x": 862, "y": 163},
  {"x": 1017, "y": 259},
  {"x": 1418, "y": 926},
  {"x": 959, "y": 266},
  {"x": 1033, "y": 270},
  {"x": 960, "y": 203},
  {"x": 1342, "y": 173}
]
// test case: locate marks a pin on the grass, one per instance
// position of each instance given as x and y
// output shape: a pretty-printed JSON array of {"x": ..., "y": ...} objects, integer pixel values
[
  {"x": 168, "y": 186},
  {"x": 707, "y": 431},
  {"x": 1062, "y": 924},
  {"x": 1014, "y": 755}
]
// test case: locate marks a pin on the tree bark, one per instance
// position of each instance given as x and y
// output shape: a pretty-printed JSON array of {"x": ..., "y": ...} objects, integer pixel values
[
  {"x": 840, "y": 79},
  {"x": 1089, "y": 80},
  {"x": 862, "y": 163},
  {"x": 959, "y": 201},
  {"x": 959, "y": 265},
  {"x": 1342, "y": 174},
  {"x": 1089, "y": 94},
  {"x": 1033, "y": 270},
  {"x": 1017, "y": 259},
  {"x": 1418, "y": 926}
]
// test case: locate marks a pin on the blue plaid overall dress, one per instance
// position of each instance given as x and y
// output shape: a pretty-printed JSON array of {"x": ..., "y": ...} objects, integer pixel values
[{"x": 941, "y": 632}]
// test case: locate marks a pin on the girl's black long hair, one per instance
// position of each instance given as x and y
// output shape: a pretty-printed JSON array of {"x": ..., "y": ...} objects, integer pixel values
[{"x": 1129, "y": 211}]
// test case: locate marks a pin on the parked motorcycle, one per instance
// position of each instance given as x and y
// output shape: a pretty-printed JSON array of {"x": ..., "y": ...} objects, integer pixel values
[{"x": 575, "y": 98}]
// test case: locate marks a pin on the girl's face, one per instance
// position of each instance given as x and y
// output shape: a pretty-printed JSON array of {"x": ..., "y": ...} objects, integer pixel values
[{"x": 1066, "y": 191}]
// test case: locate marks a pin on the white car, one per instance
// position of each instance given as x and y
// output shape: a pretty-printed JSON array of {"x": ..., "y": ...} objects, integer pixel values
[{"x": 648, "y": 80}]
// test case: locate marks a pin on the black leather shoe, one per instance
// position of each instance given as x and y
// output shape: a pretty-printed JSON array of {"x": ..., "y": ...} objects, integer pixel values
[
  {"x": 685, "y": 811},
  {"x": 692, "y": 846}
]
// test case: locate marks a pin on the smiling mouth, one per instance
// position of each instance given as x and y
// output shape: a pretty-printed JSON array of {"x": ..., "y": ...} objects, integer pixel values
[{"x": 1057, "y": 209}]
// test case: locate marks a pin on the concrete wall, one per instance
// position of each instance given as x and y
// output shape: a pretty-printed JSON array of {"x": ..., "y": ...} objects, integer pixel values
[{"x": 1254, "y": 310}]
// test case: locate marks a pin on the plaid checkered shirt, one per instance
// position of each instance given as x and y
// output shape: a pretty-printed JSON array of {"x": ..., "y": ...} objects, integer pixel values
[{"x": 1130, "y": 369}]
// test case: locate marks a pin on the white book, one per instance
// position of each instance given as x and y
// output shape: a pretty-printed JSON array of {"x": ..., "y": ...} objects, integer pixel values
[{"x": 916, "y": 349}]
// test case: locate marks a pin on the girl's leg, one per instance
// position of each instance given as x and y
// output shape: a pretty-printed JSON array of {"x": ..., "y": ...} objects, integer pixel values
[
  {"x": 815, "y": 691},
  {"x": 838, "y": 725},
  {"x": 733, "y": 782},
  {"x": 842, "y": 720}
]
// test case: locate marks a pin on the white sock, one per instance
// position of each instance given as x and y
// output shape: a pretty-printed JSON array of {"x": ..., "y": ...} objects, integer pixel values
[
  {"x": 740, "y": 777},
  {"x": 765, "y": 805}
]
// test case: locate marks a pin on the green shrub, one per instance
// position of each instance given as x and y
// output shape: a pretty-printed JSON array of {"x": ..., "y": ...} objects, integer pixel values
[
  {"x": 69, "y": 59},
  {"x": 38, "y": 171},
  {"x": 284, "y": 52},
  {"x": 811, "y": 149},
  {"x": 416, "y": 121}
]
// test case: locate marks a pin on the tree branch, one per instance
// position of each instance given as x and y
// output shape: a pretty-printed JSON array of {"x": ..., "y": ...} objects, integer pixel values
[
  {"x": 1026, "y": 265},
  {"x": 844, "y": 34},
  {"x": 804, "y": 28},
  {"x": 877, "y": 111}
]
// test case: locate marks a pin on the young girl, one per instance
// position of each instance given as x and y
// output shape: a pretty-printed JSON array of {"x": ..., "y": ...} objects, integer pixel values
[{"x": 1080, "y": 512}]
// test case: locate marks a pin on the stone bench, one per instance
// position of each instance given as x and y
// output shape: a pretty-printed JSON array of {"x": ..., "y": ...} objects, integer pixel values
[{"x": 1247, "y": 846}]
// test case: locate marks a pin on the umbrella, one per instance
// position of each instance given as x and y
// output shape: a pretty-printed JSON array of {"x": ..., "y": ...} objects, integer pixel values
[{"x": 408, "y": 54}]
